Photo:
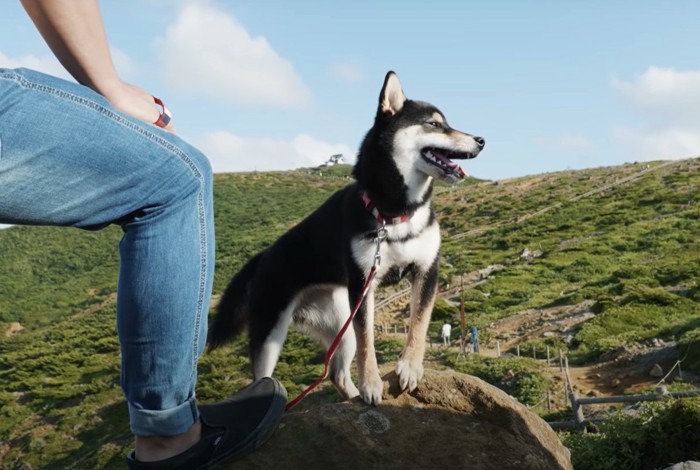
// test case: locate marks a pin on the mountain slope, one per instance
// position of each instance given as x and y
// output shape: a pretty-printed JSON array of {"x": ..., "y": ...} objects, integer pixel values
[{"x": 623, "y": 240}]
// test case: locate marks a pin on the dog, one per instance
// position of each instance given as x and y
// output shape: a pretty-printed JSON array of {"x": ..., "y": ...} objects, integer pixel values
[{"x": 314, "y": 274}]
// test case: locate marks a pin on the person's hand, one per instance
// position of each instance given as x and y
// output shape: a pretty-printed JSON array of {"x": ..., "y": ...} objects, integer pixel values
[
  {"x": 75, "y": 33},
  {"x": 135, "y": 102}
]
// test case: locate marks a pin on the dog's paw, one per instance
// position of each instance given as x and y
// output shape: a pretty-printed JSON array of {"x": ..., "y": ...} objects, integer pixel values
[
  {"x": 346, "y": 388},
  {"x": 371, "y": 390},
  {"x": 409, "y": 373},
  {"x": 351, "y": 391}
]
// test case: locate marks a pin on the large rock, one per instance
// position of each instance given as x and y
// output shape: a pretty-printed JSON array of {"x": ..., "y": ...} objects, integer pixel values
[
  {"x": 689, "y": 465},
  {"x": 451, "y": 421}
]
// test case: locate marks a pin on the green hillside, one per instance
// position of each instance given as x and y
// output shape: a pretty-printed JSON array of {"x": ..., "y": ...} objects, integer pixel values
[{"x": 625, "y": 239}]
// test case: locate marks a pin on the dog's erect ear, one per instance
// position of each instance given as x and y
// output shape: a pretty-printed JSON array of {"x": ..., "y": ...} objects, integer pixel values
[{"x": 391, "y": 99}]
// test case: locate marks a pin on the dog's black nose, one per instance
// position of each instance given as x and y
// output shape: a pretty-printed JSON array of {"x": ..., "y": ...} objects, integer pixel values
[{"x": 480, "y": 141}]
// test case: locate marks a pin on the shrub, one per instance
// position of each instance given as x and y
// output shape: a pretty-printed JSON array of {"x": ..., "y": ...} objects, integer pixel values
[
  {"x": 659, "y": 434},
  {"x": 689, "y": 347},
  {"x": 444, "y": 312},
  {"x": 555, "y": 343},
  {"x": 648, "y": 295},
  {"x": 519, "y": 377},
  {"x": 388, "y": 349}
]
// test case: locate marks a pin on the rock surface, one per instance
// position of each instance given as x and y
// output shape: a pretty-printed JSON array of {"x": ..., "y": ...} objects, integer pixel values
[
  {"x": 451, "y": 421},
  {"x": 689, "y": 465}
]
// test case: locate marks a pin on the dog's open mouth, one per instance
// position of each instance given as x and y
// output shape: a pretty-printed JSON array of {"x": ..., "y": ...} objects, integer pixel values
[{"x": 442, "y": 159}]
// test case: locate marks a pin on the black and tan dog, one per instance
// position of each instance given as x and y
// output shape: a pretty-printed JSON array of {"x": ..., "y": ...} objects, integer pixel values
[{"x": 314, "y": 274}]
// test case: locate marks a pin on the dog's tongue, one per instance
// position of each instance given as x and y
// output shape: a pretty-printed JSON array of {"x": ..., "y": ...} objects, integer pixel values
[{"x": 449, "y": 163}]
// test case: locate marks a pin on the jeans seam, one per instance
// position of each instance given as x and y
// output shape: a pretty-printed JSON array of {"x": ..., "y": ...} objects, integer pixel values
[{"x": 173, "y": 149}]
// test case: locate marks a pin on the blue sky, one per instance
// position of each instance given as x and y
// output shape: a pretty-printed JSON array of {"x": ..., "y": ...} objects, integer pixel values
[{"x": 550, "y": 85}]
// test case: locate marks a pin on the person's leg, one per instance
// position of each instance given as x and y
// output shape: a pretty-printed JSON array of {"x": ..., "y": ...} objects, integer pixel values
[{"x": 66, "y": 158}]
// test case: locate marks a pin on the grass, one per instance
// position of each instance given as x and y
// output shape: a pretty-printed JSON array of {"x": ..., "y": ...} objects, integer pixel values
[
  {"x": 520, "y": 377},
  {"x": 631, "y": 249},
  {"x": 655, "y": 436}
]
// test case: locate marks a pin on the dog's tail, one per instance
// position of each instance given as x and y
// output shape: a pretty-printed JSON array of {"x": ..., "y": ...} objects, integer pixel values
[{"x": 232, "y": 312}]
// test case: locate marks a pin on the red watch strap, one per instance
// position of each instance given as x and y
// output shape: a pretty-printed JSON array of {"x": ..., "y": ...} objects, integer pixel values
[{"x": 165, "y": 116}]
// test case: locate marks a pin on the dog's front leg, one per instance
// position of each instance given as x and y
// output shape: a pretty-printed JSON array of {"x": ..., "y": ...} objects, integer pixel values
[
  {"x": 371, "y": 385},
  {"x": 409, "y": 368}
]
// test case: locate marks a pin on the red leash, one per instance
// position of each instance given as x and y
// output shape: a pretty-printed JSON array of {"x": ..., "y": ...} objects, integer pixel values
[
  {"x": 381, "y": 235},
  {"x": 334, "y": 345}
]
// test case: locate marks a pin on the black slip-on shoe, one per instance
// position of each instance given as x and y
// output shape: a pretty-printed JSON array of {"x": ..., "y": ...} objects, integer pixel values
[{"x": 230, "y": 428}]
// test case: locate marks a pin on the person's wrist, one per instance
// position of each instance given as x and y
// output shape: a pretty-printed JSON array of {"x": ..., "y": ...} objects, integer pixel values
[
  {"x": 114, "y": 89},
  {"x": 135, "y": 102}
]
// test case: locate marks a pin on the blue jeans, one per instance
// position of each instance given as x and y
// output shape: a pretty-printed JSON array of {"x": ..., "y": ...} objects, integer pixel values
[{"x": 68, "y": 158}]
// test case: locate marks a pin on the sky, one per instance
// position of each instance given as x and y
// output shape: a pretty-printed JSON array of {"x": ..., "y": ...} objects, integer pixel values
[{"x": 275, "y": 85}]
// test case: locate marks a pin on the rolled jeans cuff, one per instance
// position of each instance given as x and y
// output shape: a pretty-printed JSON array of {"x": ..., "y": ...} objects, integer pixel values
[{"x": 163, "y": 422}]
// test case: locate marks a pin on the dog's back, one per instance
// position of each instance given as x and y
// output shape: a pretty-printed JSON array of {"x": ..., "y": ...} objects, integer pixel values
[{"x": 311, "y": 253}]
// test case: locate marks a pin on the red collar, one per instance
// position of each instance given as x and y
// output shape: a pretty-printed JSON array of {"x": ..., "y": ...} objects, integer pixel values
[{"x": 384, "y": 218}]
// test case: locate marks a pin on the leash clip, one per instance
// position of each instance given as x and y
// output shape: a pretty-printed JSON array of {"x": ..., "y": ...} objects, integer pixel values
[{"x": 381, "y": 236}]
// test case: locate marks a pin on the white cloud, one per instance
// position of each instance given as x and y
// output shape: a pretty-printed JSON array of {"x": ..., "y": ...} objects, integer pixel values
[
  {"x": 231, "y": 153},
  {"x": 658, "y": 144},
  {"x": 663, "y": 94},
  {"x": 50, "y": 65},
  {"x": 47, "y": 64},
  {"x": 667, "y": 102},
  {"x": 207, "y": 52}
]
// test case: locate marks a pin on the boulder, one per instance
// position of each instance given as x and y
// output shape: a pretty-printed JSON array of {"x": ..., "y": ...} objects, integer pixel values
[
  {"x": 689, "y": 465},
  {"x": 451, "y": 421},
  {"x": 656, "y": 371}
]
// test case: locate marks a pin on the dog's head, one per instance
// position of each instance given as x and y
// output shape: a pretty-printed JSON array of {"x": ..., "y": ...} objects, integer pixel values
[{"x": 420, "y": 139}]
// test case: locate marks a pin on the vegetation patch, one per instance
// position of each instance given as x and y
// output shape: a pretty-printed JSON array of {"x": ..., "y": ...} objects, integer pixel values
[
  {"x": 631, "y": 250},
  {"x": 649, "y": 437},
  {"x": 520, "y": 377}
]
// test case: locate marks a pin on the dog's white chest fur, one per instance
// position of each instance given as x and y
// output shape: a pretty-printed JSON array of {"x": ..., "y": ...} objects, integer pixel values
[{"x": 415, "y": 241}]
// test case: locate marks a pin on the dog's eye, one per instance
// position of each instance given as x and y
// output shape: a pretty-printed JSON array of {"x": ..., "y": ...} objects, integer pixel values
[{"x": 434, "y": 124}]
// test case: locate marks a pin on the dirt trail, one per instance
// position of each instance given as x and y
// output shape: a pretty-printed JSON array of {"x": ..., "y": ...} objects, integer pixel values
[{"x": 626, "y": 370}]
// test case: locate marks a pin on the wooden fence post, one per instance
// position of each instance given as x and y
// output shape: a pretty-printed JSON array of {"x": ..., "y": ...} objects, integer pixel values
[
  {"x": 462, "y": 321},
  {"x": 561, "y": 362},
  {"x": 578, "y": 412}
]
